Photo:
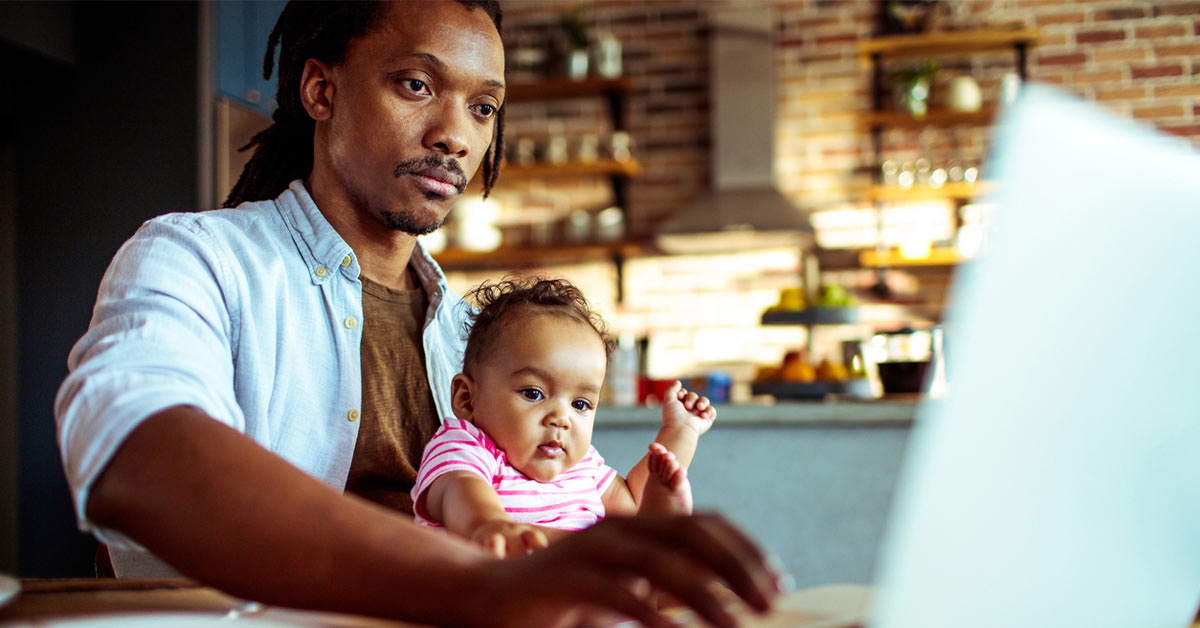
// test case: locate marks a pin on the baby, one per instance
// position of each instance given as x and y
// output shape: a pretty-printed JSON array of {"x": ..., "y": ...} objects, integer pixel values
[{"x": 516, "y": 468}]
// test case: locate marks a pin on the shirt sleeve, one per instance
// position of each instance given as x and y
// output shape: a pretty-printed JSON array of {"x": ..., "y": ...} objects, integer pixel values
[
  {"x": 457, "y": 446},
  {"x": 161, "y": 335}
]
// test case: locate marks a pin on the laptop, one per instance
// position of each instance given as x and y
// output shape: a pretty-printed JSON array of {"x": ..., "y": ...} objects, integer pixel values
[{"x": 1058, "y": 483}]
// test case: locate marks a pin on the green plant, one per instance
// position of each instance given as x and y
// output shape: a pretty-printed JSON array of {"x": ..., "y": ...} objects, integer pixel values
[
  {"x": 926, "y": 71},
  {"x": 575, "y": 28},
  {"x": 915, "y": 84}
]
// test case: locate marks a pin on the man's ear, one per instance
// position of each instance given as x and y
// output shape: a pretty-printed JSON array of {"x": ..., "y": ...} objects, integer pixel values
[
  {"x": 461, "y": 400},
  {"x": 316, "y": 89}
]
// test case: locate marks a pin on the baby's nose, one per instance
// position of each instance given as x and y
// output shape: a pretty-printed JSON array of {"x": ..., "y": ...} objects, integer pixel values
[{"x": 558, "y": 418}]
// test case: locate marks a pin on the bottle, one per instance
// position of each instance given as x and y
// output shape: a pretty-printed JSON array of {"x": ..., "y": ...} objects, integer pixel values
[
  {"x": 1010, "y": 87},
  {"x": 608, "y": 56},
  {"x": 623, "y": 371}
]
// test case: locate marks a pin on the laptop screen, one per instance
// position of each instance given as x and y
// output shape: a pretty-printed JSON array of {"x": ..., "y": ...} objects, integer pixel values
[{"x": 1058, "y": 483}]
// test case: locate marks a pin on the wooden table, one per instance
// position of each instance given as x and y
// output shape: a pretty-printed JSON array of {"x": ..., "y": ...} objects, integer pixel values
[{"x": 41, "y": 601}]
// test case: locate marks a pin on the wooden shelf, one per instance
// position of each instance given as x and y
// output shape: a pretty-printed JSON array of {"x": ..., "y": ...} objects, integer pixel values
[
  {"x": 630, "y": 168},
  {"x": 945, "y": 42},
  {"x": 532, "y": 256},
  {"x": 940, "y": 256},
  {"x": 561, "y": 89},
  {"x": 935, "y": 117},
  {"x": 953, "y": 191},
  {"x": 872, "y": 314},
  {"x": 811, "y": 316}
]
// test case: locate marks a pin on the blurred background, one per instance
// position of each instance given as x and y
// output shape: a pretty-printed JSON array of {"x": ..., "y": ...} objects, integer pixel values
[{"x": 767, "y": 199}]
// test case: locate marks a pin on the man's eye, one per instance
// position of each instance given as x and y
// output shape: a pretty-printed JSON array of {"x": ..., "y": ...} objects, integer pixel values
[
  {"x": 415, "y": 85},
  {"x": 486, "y": 110},
  {"x": 582, "y": 405},
  {"x": 531, "y": 394}
]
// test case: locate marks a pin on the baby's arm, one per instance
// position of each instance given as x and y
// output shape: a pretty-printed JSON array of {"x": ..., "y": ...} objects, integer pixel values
[
  {"x": 686, "y": 416},
  {"x": 469, "y": 507}
]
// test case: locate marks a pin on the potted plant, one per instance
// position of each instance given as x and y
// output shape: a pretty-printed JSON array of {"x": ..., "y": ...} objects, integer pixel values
[
  {"x": 575, "y": 37},
  {"x": 914, "y": 86}
]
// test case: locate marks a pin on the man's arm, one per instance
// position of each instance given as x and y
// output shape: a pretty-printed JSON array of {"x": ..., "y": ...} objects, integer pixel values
[
  {"x": 469, "y": 507},
  {"x": 221, "y": 509}
]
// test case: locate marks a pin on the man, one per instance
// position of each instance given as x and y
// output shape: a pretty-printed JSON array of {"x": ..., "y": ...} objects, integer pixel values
[{"x": 213, "y": 412}]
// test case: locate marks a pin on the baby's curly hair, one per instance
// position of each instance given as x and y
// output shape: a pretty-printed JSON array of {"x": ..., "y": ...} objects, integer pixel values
[{"x": 502, "y": 302}]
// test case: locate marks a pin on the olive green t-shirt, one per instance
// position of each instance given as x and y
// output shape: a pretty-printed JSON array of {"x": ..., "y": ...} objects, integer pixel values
[{"x": 398, "y": 412}]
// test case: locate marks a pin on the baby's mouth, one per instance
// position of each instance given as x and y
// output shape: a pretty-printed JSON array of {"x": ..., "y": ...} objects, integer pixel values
[{"x": 551, "y": 449}]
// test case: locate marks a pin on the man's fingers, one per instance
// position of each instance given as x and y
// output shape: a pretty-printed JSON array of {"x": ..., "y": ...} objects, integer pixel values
[
  {"x": 653, "y": 548},
  {"x": 610, "y": 593},
  {"x": 714, "y": 543},
  {"x": 728, "y": 551},
  {"x": 686, "y": 580}
]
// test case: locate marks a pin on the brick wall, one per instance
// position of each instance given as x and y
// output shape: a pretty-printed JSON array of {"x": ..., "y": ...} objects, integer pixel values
[{"x": 1139, "y": 59}]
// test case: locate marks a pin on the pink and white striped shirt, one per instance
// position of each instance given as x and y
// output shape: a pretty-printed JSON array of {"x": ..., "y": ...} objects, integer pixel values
[{"x": 570, "y": 501}]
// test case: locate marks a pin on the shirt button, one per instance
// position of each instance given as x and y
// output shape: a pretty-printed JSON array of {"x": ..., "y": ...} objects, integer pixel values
[
  {"x": 351, "y": 323},
  {"x": 346, "y": 261},
  {"x": 320, "y": 271},
  {"x": 352, "y": 415}
]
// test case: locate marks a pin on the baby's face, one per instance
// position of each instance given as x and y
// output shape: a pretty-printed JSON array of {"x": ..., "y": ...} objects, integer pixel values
[{"x": 536, "y": 395}]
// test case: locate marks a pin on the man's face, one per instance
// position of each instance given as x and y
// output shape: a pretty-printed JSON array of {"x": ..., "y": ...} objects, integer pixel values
[
  {"x": 536, "y": 394},
  {"x": 413, "y": 111}
]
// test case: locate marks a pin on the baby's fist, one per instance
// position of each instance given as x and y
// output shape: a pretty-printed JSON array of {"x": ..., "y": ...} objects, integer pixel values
[
  {"x": 684, "y": 408},
  {"x": 507, "y": 538}
]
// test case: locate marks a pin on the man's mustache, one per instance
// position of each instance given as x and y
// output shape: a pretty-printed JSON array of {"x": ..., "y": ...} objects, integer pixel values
[{"x": 419, "y": 164}]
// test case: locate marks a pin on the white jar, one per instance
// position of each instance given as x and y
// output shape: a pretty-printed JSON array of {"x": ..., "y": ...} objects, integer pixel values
[{"x": 965, "y": 95}]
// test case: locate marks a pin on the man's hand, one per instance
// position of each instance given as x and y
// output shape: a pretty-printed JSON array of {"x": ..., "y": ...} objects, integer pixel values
[
  {"x": 508, "y": 538},
  {"x": 683, "y": 408},
  {"x": 599, "y": 569}
]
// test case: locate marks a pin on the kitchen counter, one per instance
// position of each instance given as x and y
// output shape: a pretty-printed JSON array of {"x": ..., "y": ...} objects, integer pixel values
[
  {"x": 816, "y": 414},
  {"x": 810, "y": 480}
]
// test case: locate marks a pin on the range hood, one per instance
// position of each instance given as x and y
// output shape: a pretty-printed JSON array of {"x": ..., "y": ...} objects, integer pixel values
[{"x": 743, "y": 208}]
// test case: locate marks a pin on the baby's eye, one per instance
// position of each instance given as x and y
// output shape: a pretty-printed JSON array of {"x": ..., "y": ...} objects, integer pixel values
[
  {"x": 582, "y": 405},
  {"x": 531, "y": 394}
]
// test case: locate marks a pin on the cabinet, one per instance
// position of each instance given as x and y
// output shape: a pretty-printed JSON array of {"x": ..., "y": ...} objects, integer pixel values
[
  {"x": 875, "y": 51},
  {"x": 242, "y": 30}
]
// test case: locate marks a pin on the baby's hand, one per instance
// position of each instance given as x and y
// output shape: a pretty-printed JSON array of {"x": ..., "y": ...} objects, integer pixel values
[
  {"x": 683, "y": 408},
  {"x": 507, "y": 538}
]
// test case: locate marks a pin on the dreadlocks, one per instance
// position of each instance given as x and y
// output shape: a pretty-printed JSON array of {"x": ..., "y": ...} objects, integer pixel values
[{"x": 320, "y": 30}]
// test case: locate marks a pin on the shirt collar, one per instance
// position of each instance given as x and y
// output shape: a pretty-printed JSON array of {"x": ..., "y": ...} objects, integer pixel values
[
  {"x": 325, "y": 251},
  {"x": 319, "y": 243}
]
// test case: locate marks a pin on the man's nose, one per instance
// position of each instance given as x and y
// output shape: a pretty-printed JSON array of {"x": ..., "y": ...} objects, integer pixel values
[{"x": 447, "y": 131}]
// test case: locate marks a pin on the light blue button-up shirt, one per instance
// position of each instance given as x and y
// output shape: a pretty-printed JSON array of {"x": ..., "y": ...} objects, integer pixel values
[{"x": 252, "y": 315}]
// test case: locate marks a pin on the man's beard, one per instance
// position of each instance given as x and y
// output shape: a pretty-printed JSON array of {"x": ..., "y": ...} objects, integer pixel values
[{"x": 404, "y": 221}]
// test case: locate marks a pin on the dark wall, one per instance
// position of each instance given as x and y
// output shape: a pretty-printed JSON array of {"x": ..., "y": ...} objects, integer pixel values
[{"x": 101, "y": 145}]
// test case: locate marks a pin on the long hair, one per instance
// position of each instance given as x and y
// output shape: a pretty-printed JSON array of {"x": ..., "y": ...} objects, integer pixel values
[{"x": 320, "y": 30}]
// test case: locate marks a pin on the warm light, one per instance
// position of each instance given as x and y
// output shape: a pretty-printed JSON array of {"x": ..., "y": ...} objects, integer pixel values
[
  {"x": 969, "y": 241},
  {"x": 475, "y": 220},
  {"x": 915, "y": 249},
  {"x": 434, "y": 242}
]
